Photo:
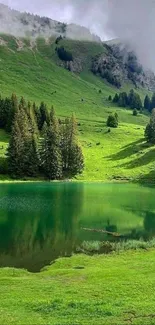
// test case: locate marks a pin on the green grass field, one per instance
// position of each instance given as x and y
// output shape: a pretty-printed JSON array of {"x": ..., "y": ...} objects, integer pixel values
[
  {"x": 34, "y": 73},
  {"x": 102, "y": 290}
]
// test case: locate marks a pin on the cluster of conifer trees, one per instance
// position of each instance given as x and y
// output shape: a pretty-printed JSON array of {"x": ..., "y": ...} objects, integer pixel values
[
  {"x": 150, "y": 129},
  {"x": 149, "y": 103},
  {"x": 39, "y": 142},
  {"x": 133, "y": 100}
]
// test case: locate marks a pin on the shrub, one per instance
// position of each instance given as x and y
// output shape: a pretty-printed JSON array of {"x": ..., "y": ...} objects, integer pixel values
[
  {"x": 64, "y": 55},
  {"x": 135, "y": 112},
  {"x": 112, "y": 121}
]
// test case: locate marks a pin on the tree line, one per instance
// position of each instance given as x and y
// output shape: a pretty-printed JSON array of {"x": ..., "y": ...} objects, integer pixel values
[
  {"x": 133, "y": 100},
  {"x": 40, "y": 144}
]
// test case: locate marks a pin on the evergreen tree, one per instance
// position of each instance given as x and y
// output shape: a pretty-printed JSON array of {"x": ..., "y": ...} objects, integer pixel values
[
  {"x": 50, "y": 153},
  {"x": 147, "y": 103},
  {"x": 137, "y": 103},
  {"x": 5, "y": 108},
  {"x": 37, "y": 114},
  {"x": 73, "y": 160},
  {"x": 153, "y": 101},
  {"x": 131, "y": 98},
  {"x": 135, "y": 112},
  {"x": 112, "y": 121},
  {"x": 31, "y": 157},
  {"x": 76, "y": 160},
  {"x": 15, "y": 149},
  {"x": 123, "y": 99},
  {"x": 150, "y": 129},
  {"x": 116, "y": 98},
  {"x": 44, "y": 115},
  {"x": 116, "y": 116},
  {"x": 110, "y": 98}
]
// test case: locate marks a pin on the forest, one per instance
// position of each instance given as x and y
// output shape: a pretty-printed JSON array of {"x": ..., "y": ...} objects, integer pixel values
[{"x": 40, "y": 144}]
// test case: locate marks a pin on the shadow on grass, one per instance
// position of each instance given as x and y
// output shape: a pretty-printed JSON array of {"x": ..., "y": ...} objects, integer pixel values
[
  {"x": 129, "y": 150},
  {"x": 147, "y": 158},
  {"x": 148, "y": 179}
]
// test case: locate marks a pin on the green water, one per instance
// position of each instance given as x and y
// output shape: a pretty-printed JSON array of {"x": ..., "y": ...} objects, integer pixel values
[{"x": 41, "y": 221}]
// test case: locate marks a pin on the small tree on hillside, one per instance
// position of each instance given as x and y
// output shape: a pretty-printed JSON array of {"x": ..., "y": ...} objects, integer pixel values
[
  {"x": 112, "y": 121},
  {"x": 116, "y": 98},
  {"x": 147, "y": 103},
  {"x": 150, "y": 129},
  {"x": 153, "y": 101},
  {"x": 123, "y": 99},
  {"x": 135, "y": 112}
]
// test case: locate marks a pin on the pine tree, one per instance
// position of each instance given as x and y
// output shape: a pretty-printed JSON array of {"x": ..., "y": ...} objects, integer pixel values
[
  {"x": 131, "y": 98},
  {"x": 44, "y": 115},
  {"x": 23, "y": 149},
  {"x": 153, "y": 101},
  {"x": 15, "y": 150},
  {"x": 137, "y": 103},
  {"x": 135, "y": 112},
  {"x": 73, "y": 160},
  {"x": 123, "y": 99},
  {"x": 147, "y": 103},
  {"x": 5, "y": 109},
  {"x": 116, "y": 98},
  {"x": 30, "y": 155},
  {"x": 50, "y": 153},
  {"x": 150, "y": 129},
  {"x": 37, "y": 114},
  {"x": 76, "y": 160}
]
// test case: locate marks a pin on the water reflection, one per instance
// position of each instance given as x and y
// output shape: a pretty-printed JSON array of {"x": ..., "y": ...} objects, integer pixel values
[{"x": 38, "y": 223}]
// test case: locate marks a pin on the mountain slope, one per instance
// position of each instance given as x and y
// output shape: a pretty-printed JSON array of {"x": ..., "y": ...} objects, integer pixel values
[
  {"x": 32, "y": 69},
  {"x": 24, "y": 24}
]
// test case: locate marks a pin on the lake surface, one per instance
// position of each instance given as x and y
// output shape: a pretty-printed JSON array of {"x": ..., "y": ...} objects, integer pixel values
[{"x": 41, "y": 221}]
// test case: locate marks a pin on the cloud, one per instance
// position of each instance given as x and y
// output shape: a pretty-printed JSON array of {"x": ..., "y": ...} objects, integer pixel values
[
  {"x": 130, "y": 20},
  {"x": 88, "y": 13}
]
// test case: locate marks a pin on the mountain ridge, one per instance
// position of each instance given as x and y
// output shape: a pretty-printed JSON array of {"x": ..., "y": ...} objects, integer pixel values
[{"x": 23, "y": 24}]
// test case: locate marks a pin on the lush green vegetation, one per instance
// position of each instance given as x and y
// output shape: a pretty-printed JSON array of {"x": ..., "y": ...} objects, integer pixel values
[
  {"x": 106, "y": 247},
  {"x": 33, "y": 71},
  {"x": 39, "y": 145},
  {"x": 113, "y": 289}
]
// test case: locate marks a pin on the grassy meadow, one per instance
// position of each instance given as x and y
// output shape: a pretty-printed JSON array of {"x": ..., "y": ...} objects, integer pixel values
[
  {"x": 116, "y": 289},
  {"x": 34, "y": 72}
]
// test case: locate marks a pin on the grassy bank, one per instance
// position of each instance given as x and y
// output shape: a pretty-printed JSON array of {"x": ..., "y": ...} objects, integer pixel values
[{"x": 115, "y": 289}]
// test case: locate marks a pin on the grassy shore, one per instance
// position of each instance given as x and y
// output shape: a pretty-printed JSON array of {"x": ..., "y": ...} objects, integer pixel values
[{"x": 116, "y": 289}]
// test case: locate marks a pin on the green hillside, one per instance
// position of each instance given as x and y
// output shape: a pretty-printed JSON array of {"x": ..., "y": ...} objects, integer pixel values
[{"x": 33, "y": 70}]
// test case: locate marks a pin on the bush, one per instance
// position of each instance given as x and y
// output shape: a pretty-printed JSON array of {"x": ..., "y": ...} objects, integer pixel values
[
  {"x": 112, "y": 121},
  {"x": 135, "y": 112},
  {"x": 64, "y": 55}
]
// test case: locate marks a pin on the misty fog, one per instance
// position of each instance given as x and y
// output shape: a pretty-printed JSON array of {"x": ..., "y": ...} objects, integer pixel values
[{"x": 131, "y": 21}]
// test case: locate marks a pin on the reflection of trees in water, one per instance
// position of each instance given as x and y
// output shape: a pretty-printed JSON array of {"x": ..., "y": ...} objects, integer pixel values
[
  {"x": 149, "y": 226},
  {"x": 44, "y": 228}
]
